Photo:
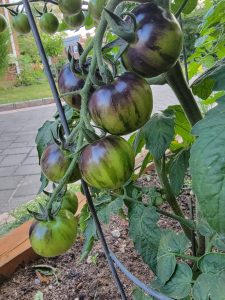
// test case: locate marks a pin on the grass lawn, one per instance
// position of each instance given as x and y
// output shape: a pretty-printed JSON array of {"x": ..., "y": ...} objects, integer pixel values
[{"x": 18, "y": 94}]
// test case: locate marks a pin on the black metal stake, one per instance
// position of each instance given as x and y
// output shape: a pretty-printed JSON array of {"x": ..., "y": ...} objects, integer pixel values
[
  {"x": 67, "y": 132},
  {"x": 102, "y": 239}
]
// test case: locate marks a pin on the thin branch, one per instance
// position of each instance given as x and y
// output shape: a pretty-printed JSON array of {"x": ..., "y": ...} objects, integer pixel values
[{"x": 30, "y": 1}]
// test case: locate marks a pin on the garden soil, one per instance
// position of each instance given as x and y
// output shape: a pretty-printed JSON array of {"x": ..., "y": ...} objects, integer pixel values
[{"x": 90, "y": 279}]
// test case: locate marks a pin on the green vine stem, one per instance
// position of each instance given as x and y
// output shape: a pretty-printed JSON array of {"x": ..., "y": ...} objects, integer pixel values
[
  {"x": 185, "y": 256},
  {"x": 171, "y": 199},
  {"x": 178, "y": 83}
]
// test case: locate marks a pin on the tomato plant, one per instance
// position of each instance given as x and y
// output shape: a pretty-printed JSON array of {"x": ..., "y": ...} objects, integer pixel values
[
  {"x": 49, "y": 23},
  {"x": 69, "y": 82},
  {"x": 146, "y": 39},
  {"x": 55, "y": 236},
  {"x": 55, "y": 162},
  {"x": 100, "y": 163},
  {"x": 74, "y": 21},
  {"x": 123, "y": 106},
  {"x": 21, "y": 24}
]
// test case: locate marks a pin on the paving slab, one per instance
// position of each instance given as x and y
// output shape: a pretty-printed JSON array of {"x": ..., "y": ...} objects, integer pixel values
[{"x": 18, "y": 154}]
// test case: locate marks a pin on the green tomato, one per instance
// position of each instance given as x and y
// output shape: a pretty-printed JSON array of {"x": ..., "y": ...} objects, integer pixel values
[
  {"x": 95, "y": 8},
  {"x": 70, "y": 7},
  {"x": 3, "y": 23},
  {"x": 70, "y": 202},
  {"x": 74, "y": 21},
  {"x": 49, "y": 23},
  {"x": 21, "y": 24},
  {"x": 107, "y": 163},
  {"x": 54, "y": 237}
]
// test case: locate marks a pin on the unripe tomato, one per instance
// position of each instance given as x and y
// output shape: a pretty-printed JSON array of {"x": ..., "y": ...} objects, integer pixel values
[
  {"x": 123, "y": 106},
  {"x": 95, "y": 8},
  {"x": 107, "y": 163},
  {"x": 158, "y": 43},
  {"x": 70, "y": 7},
  {"x": 49, "y": 23},
  {"x": 3, "y": 23},
  {"x": 74, "y": 21},
  {"x": 70, "y": 202},
  {"x": 21, "y": 24},
  {"x": 54, "y": 237},
  {"x": 55, "y": 162},
  {"x": 69, "y": 82}
]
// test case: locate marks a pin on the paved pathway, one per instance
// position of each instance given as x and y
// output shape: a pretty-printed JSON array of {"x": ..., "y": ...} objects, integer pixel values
[{"x": 19, "y": 169}]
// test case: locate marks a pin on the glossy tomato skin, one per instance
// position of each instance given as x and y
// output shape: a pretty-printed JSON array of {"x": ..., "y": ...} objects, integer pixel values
[
  {"x": 21, "y": 24},
  {"x": 95, "y": 8},
  {"x": 55, "y": 162},
  {"x": 158, "y": 44},
  {"x": 70, "y": 202},
  {"x": 69, "y": 7},
  {"x": 3, "y": 23},
  {"x": 69, "y": 82},
  {"x": 107, "y": 163},
  {"x": 54, "y": 237},
  {"x": 49, "y": 23},
  {"x": 123, "y": 106},
  {"x": 74, "y": 21}
]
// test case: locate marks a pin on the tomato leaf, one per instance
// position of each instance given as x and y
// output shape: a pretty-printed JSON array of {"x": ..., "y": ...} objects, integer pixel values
[
  {"x": 138, "y": 294},
  {"x": 159, "y": 132},
  {"x": 212, "y": 263},
  {"x": 106, "y": 210},
  {"x": 84, "y": 217},
  {"x": 177, "y": 170},
  {"x": 204, "y": 88},
  {"x": 209, "y": 286},
  {"x": 144, "y": 231},
  {"x": 179, "y": 285},
  {"x": 90, "y": 235},
  {"x": 207, "y": 167},
  {"x": 189, "y": 7},
  {"x": 45, "y": 135},
  {"x": 172, "y": 242},
  {"x": 166, "y": 265}
]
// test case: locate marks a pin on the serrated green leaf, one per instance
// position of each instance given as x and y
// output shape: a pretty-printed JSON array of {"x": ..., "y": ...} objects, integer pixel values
[
  {"x": 182, "y": 125},
  {"x": 172, "y": 242},
  {"x": 44, "y": 182},
  {"x": 209, "y": 286},
  {"x": 106, "y": 210},
  {"x": 219, "y": 242},
  {"x": 144, "y": 231},
  {"x": 84, "y": 217},
  {"x": 189, "y": 7},
  {"x": 179, "y": 286},
  {"x": 166, "y": 265},
  {"x": 204, "y": 229},
  {"x": 138, "y": 294},
  {"x": 159, "y": 132},
  {"x": 177, "y": 170},
  {"x": 212, "y": 263},
  {"x": 207, "y": 167},
  {"x": 204, "y": 88},
  {"x": 45, "y": 136},
  {"x": 90, "y": 234}
]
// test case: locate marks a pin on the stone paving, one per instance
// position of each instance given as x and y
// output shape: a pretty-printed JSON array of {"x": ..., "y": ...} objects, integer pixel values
[{"x": 19, "y": 169}]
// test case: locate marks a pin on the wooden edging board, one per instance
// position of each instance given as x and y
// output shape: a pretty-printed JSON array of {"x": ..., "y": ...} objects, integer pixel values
[{"x": 15, "y": 248}]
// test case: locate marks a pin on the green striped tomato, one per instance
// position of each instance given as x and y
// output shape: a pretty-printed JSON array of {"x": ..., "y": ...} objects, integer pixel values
[
  {"x": 49, "y": 23},
  {"x": 70, "y": 202},
  {"x": 107, "y": 163},
  {"x": 3, "y": 23},
  {"x": 158, "y": 44},
  {"x": 69, "y": 7},
  {"x": 54, "y": 237},
  {"x": 21, "y": 24},
  {"x": 74, "y": 21},
  {"x": 123, "y": 106}
]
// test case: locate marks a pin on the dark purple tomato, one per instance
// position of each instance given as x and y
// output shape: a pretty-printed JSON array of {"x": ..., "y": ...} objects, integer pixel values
[
  {"x": 69, "y": 82},
  {"x": 21, "y": 24},
  {"x": 158, "y": 44},
  {"x": 123, "y": 106},
  {"x": 49, "y": 23},
  {"x": 107, "y": 163},
  {"x": 3, "y": 23},
  {"x": 55, "y": 162},
  {"x": 54, "y": 237},
  {"x": 74, "y": 21}
]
